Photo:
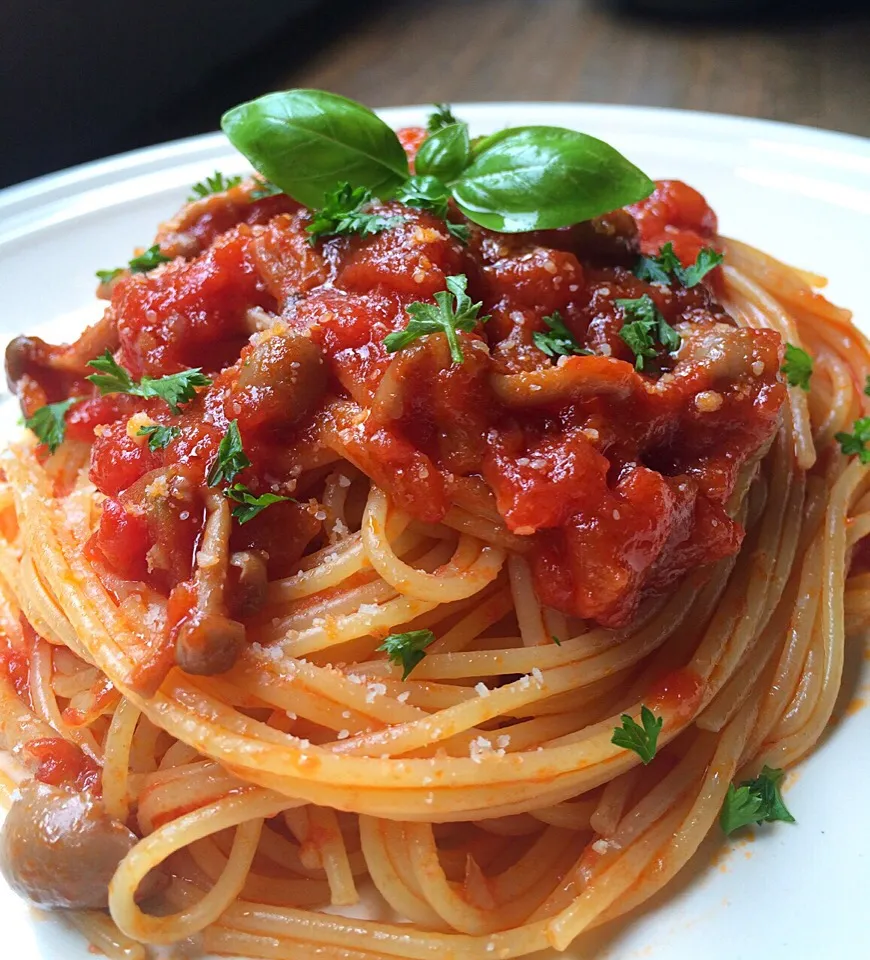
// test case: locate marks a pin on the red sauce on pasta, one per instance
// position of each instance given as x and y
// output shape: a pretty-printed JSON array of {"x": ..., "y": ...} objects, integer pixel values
[{"x": 618, "y": 478}]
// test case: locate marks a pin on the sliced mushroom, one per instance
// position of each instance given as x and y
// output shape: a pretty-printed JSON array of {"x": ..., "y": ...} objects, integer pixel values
[
  {"x": 247, "y": 592},
  {"x": 59, "y": 849},
  {"x": 282, "y": 380},
  {"x": 207, "y": 641}
]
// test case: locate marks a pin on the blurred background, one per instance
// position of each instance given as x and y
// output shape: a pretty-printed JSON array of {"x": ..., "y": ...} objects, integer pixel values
[{"x": 83, "y": 80}]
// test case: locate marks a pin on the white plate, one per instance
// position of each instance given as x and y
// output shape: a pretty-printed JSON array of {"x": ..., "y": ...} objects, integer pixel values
[{"x": 803, "y": 195}]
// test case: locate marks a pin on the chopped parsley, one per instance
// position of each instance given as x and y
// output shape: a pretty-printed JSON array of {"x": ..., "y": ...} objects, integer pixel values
[
  {"x": 647, "y": 328},
  {"x": 250, "y": 505},
  {"x": 175, "y": 388},
  {"x": 159, "y": 435},
  {"x": 441, "y": 317},
  {"x": 665, "y": 266},
  {"x": 855, "y": 443},
  {"x": 231, "y": 457},
  {"x": 867, "y": 386},
  {"x": 148, "y": 260},
  {"x": 559, "y": 341},
  {"x": 441, "y": 117},
  {"x": 216, "y": 183},
  {"x": 407, "y": 649},
  {"x": 429, "y": 193},
  {"x": 642, "y": 739},
  {"x": 343, "y": 212},
  {"x": 555, "y": 640},
  {"x": 107, "y": 276},
  {"x": 49, "y": 422},
  {"x": 265, "y": 188},
  {"x": 754, "y": 801},
  {"x": 798, "y": 367}
]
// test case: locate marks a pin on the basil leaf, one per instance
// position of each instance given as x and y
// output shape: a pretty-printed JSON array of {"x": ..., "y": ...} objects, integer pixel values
[
  {"x": 444, "y": 154},
  {"x": 540, "y": 178},
  {"x": 306, "y": 141}
]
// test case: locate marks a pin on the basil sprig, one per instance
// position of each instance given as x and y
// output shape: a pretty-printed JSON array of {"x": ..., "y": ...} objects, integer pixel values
[
  {"x": 307, "y": 141},
  {"x": 444, "y": 154},
  {"x": 524, "y": 178}
]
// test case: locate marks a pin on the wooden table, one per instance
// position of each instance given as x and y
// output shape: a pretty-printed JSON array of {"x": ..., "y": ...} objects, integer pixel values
[{"x": 815, "y": 73}]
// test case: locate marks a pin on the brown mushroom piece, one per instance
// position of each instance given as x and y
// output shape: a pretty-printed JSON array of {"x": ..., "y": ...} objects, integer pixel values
[
  {"x": 248, "y": 582},
  {"x": 208, "y": 644},
  {"x": 59, "y": 849},
  {"x": 282, "y": 380}
]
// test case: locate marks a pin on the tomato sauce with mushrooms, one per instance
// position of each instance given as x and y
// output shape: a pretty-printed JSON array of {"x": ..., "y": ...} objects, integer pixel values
[{"x": 617, "y": 478}]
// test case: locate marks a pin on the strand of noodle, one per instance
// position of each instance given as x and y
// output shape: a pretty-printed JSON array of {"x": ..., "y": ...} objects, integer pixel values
[
  {"x": 45, "y": 702},
  {"x": 278, "y": 891},
  {"x": 116, "y": 770},
  {"x": 245, "y": 812},
  {"x": 104, "y": 936},
  {"x": 333, "y": 853},
  {"x": 472, "y": 567},
  {"x": 485, "y": 613},
  {"x": 791, "y": 747},
  {"x": 773, "y": 315},
  {"x": 526, "y": 604}
]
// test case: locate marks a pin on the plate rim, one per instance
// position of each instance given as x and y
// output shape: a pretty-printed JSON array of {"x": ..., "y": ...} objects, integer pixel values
[{"x": 129, "y": 162}]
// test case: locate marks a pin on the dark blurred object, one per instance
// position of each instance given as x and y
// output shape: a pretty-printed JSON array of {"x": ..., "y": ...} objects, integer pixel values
[
  {"x": 76, "y": 79},
  {"x": 789, "y": 10},
  {"x": 810, "y": 68}
]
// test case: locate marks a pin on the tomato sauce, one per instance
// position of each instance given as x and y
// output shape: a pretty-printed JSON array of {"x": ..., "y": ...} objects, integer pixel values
[
  {"x": 62, "y": 763},
  {"x": 618, "y": 477}
]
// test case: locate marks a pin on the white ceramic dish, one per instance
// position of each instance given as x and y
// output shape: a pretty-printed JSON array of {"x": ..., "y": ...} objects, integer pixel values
[{"x": 803, "y": 195}]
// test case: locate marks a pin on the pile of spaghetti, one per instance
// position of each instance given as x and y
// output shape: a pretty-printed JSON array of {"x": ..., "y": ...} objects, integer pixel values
[{"x": 305, "y": 599}]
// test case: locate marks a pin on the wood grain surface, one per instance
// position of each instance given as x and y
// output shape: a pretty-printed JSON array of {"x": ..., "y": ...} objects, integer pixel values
[{"x": 812, "y": 71}]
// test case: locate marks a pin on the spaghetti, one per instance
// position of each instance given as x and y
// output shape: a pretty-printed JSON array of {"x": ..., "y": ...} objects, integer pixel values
[{"x": 271, "y": 779}]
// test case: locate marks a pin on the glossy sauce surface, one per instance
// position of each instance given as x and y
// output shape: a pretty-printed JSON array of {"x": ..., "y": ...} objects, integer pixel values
[{"x": 617, "y": 478}]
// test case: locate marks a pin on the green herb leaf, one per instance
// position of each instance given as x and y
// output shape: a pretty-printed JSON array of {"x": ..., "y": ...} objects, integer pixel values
[
  {"x": 442, "y": 117},
  {"x": 642, "y": 739},
  {"x": 305, "y": 141},
  {"x": 343, "y": 212},
  {"x": 798, "y": 366},
  {"x": 559, "y": 341},
  {"x": 646, "y": 329},
  {"x": 855, "y": 443},
  {"x": 148, "y": 260},
  {"x": 216, "y": 183},
  {"x": 407, "y": 649},
  {"x": 159, "y": 436},
  {"x": 556, "y": 640},
  {"x": 175, "y": 388},
  {"x": 430, "y": 193},
  {"x": 440, "y": 317},
  {"x": 707, "y": 259},
  {"x": 662, "y": 268},
  {"x": 107, "y": 276},
  {"x": 49, "y": 422},
  {"x": 444, "y": 154},
  {"x": 231, "y": 457},
  {"x": 250, "y": 505},
  {"x": 755, "y": 801},
  {"x": 540, "y": 178},
  {"x": 659, "y": 269},
  {"x": 867, "y": 386},
  {"x": 741, "y": 807},
  {"x": 265, "y": 188},
  {"x": 112, "y": 378}
]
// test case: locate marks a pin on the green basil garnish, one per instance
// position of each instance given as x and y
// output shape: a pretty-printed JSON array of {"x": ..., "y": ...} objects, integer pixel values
[
  {"x": 526, "y": 178},
  {"x": 444, "y": 154},
  {"x": 540, "y": 178},
  {"x": 307, "y": 141}
]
